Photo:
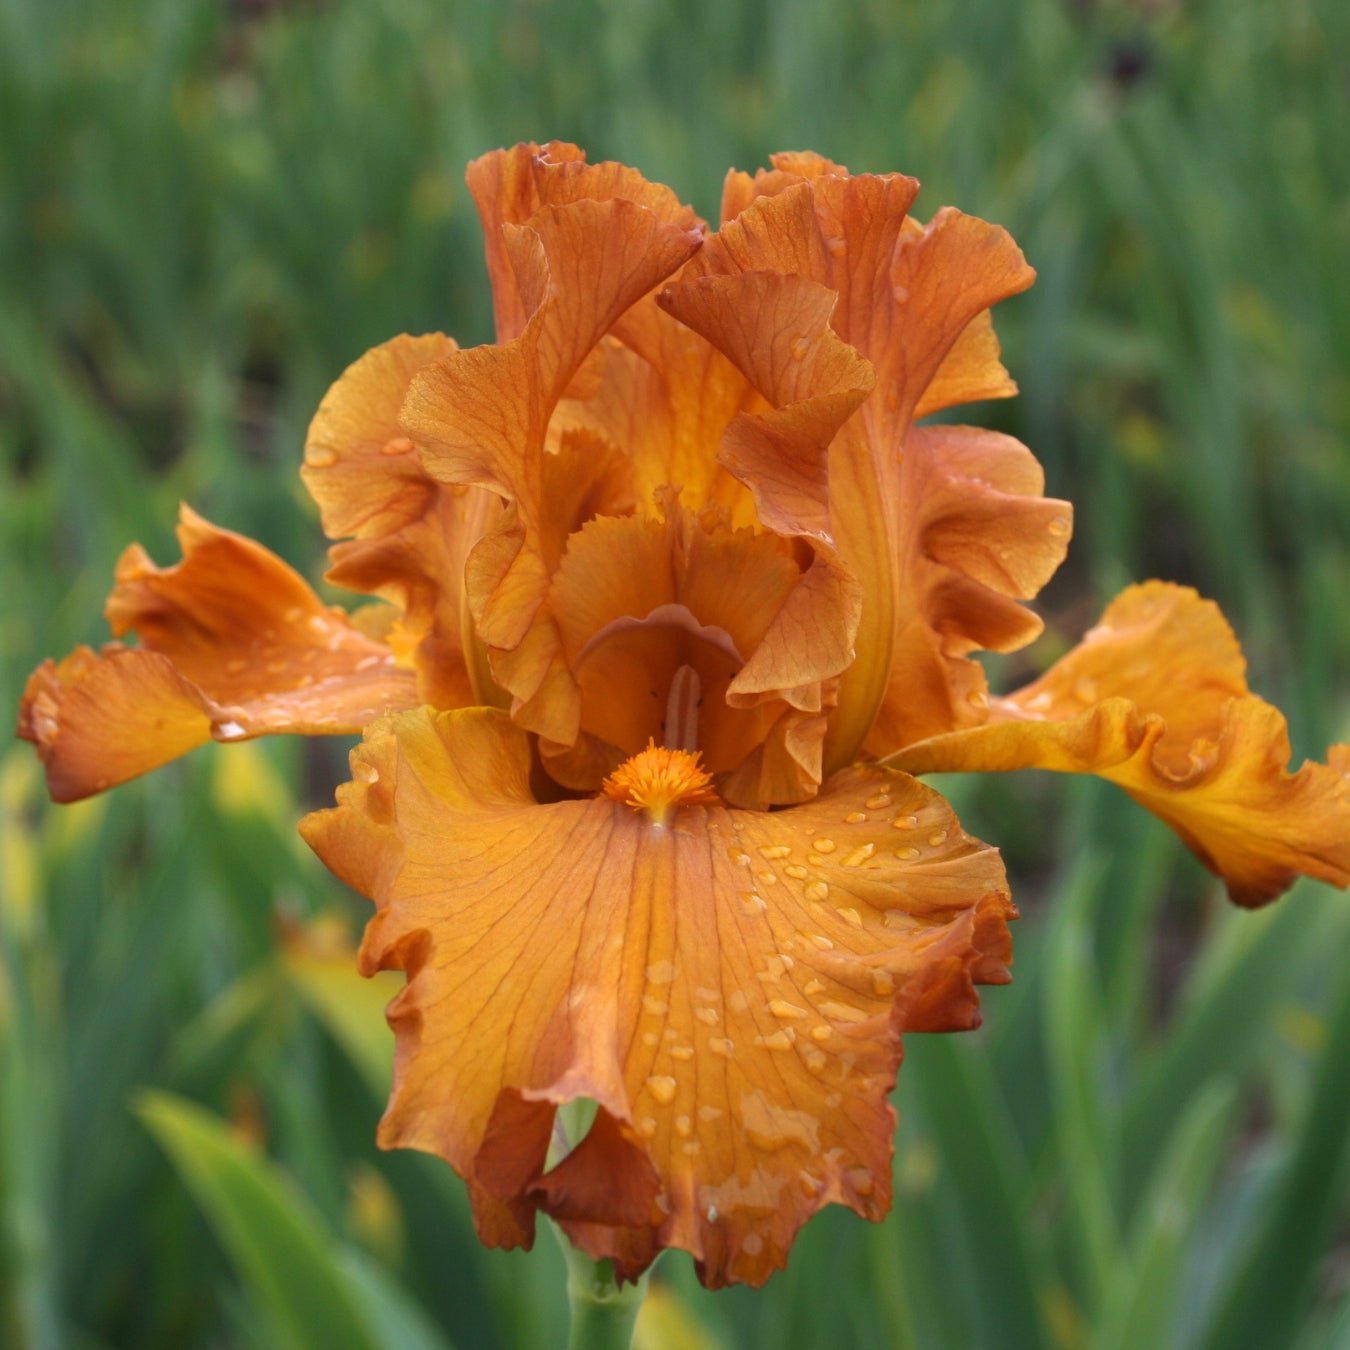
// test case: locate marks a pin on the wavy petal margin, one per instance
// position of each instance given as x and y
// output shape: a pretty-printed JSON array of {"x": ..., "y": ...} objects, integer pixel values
[
  {"x": 234, "y": 644},
  {"x": 1155, "y": 699},
  {"x": 731, "y": 990}
]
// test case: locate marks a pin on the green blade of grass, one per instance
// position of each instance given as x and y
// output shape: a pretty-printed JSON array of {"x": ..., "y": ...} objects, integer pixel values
[{"x": 279, "y": 1246}]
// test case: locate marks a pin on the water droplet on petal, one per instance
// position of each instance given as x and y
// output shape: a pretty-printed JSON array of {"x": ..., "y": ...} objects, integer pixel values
[
  {"x": 400, "y": 445},
  {"x": 800, "y": 346},
  {"x": 230, "y": 731},
  {"x": 684, "y": 1127},
  {"x": 861, "y": 1180},
  {"x": 854, "y": 817},
  {"x": 901, "y": 294},
  {"x": 851, "y": 916},
  {"x": 684, "y": 1053},
  {"x": 662, "y": 1088},
  {"x": 719, "y": 1045},
  {"x": 904, "y": 822},
  {"x": 320, "y": 456},
  {"x": 843, "y": 1012},
  {"x": 753, "y": 1244},
  {"x": 879, "y": 802},
  {"x": 646, "y": 1127},
  {"x": 817, "y": 891},
  {"x": 774, "y": 850},
  {"x": 860, "y": 855},
  {"x": 789, "y": 1012},
  {"x": 708, "y": 1016},
  {"x": 937, "y": 837},
  {"x": 823, "y": 845},
  {"x": 1058, "y": 526},
  {"x": 739, "y": 1001},
  {"x": 661, "y": 972},
  {"x": 907, "y": 853},
  {"x": 795, "y": 871}
]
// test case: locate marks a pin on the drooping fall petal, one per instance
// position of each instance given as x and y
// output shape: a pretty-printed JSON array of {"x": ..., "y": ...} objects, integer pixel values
[
  {"x": 233, "y": 644},
  {"x": 1155, "y": 699},
  {"x": 730, "y": 987}
]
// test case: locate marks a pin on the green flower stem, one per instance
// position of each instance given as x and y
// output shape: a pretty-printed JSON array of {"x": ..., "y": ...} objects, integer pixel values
[{"x": 603, "y": 1313}]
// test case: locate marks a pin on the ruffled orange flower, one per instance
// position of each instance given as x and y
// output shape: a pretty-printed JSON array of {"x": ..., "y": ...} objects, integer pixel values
[{"x": 674, "y": 552}]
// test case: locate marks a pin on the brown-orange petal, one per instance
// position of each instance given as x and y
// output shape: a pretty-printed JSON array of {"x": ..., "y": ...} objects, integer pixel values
[
  {"x": 1155, "y": 699},
  {"x": 409, "y": 534},
  {"x": 730, "y": 987},
  {"x": 233, "y": 644}
]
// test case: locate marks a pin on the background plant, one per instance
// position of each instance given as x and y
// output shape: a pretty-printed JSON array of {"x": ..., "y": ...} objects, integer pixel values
[{"x": 207, "y": 210}]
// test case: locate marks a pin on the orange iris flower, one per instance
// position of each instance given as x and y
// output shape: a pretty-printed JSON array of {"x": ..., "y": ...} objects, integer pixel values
[{"x": 674, "y": 552}]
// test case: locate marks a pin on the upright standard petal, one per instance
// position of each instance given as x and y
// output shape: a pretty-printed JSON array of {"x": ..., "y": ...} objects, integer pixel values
[
  {"x": 915, "y": 302},
  {"x": 483, "y": 415},
  {"x": 1155, "y": 699},
  {"x": 233, "y": 644},
  {"x": 407, "y": 534},
  {"x": 729, "y": 987}
]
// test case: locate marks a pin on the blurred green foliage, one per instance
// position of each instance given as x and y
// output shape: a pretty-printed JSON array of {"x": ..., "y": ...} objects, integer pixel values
[{"x": 207, "y": 210}]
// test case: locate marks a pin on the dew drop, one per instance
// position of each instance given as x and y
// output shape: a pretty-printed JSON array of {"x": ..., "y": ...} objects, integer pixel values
[
  {"x": 879, "y": 802},
  {"x": 739, "y": 1001},
  {"x": 753, "y": 1244},
  {"x": 821, "y": 941},
  {"x": 800, "y": 346},
  {"x": 684, "y": 1127},
  {"x": 823, "y": 845},
  {"x": 811, "y": 1184},
  {"x": 814, "y": 859},
  {"x": 816, "y": 1060},
  {"x": 814, "y": 987},
  {"x": 843, "y": 1012},
  {"x": 1058, "y": 526},
  {"x": 789, "y": 1012},
  {"x": 658, "y": 1007},
  {"x": 646, "y": 1127},
  {"x": 662, "y": 1088},
  {"x": 854, "y": 817},
  {"x": 708, "y": 1016},
  {"x": 767, "y": 878},
  {"x": 907, "y": 853},
  {"x": 719, "y": 1045},
  {"x": 650, "y": 1038},
  {"x": 817, "y": 890},
  {"x": 683, "y": 1053},
  {"x": 901, "y": 294},
  {"x": 691, "y": 1149},
  {"x": 861, "y": 1180},
  {"x": 852, "y": 916},
  {"x": 937, "y": 837},
  {"x": 795, "y": 871},
  {"x": 883, "y": 983},
  {"x": 977, "y": 698},
  {"x": 782, "y": 1039},
  {"x": 752, "y": 903},
  {"x": 230, "y": 731},
  {"x": 320, "y": 456},
  {"x": 400, "y": 445},
  {"x": 904, "y": 822},
  {"x": 661, "y": 972},
  {"x": 364, "y": 772},
  {"x": 739, "y": 856},
  {"x": 711, "y": 1215},
  {"x": 837, "y": 245},
  {"x": 705, "y": 995},
  {"x": 709, "y": 1113},
  {"x": 860, "y": 855},
  {"x": 775, "y": 850}
]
